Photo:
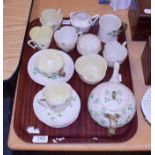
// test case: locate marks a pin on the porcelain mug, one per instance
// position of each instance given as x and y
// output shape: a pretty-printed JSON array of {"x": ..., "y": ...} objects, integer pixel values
[
  {"x": 82, "y": 20},
  {"x": 110, "y": 27},
  {"x": 66, "y": 38}
]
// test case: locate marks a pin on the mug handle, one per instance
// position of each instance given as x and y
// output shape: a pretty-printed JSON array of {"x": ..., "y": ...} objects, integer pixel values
[
  {"x": 32, "y": 44},
  {"x": 95, "y": 18}
]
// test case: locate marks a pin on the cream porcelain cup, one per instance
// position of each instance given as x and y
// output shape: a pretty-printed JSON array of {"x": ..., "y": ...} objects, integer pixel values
[
  {"x": 50, "y": 63},
  {"x": 52, "y": 18},
  {"x": 40, "y": 37},
  {"x": 58, "y": 96},
  {"x": 91, "y": 68}
]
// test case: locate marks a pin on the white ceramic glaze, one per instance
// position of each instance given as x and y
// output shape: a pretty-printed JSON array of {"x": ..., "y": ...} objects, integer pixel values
[
  {"x": 66, "y": 38},
  {"x": 146, "y": 105},
  {"x": 82, "y": 20},
  {"x": 112, "y": 104},
  {"x": 41, "y": 37},
  {"x": 109, "y": 27},
  {"x": 43, "y": 79},
  {"x": 88, "y": 44},
  {"x": 56, "y": 119},
  {"x": 115, "y": 52},
  {"x": 91, "y": 68},
  {"x": 52, "y": 18}
]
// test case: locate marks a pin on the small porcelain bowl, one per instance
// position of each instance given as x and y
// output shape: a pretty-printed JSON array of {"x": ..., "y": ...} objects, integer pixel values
[
  {"x": 88, "y": 44},
  {"x": 58, "y": 96},
  {"x": 115, "y": 52},
  {"x": 50, "y": 63},
  {"x": 52, "y": 18},
  {"x": 91, "y": 68}
]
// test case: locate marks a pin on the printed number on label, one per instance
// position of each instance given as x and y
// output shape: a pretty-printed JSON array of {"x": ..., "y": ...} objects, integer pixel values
[{"x": 40, "y": 139}]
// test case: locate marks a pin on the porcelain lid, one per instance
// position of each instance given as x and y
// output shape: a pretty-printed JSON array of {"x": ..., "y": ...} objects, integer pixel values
[{"x": 115, "y": 96}]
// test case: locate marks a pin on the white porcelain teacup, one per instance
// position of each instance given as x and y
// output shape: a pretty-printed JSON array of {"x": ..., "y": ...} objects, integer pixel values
[
  {"x": 115, "y": 52},
  {"x": 109, "y": 27},
  {"x": 40, "y": 37},
  {"x": 66, "y": 38},
  {"x": 82, "y": 20}
]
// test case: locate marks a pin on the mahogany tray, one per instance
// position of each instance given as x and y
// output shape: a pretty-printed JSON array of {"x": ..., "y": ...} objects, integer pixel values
[{"x": 84, "y": 129}]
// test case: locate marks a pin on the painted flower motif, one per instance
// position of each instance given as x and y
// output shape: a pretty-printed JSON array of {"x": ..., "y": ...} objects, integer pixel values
[
  {"x": 92, "y": 96},
  {"x": 53, "y": 76},
  {"x": 114, "y": 34},
  {"x": 35, "y": 71},
  {"x": 114, "y": 95}
]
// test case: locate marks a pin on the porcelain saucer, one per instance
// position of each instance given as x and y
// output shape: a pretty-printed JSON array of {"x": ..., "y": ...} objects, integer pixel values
[
  {"x": 146, "y": 105},
  {"x": 43, "y": 80},
  {"x": 57, "y": 119}
]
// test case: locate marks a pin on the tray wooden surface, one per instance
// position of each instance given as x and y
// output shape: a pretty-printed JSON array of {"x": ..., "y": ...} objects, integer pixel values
[{"x": 84, "y": 129}]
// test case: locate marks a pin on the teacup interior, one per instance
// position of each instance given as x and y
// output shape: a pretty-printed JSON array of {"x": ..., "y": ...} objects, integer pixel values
[
  {"x": 81, "y": 16},
  {"x": 66, "y": 34},
  {"x": 110, "y": 22}
]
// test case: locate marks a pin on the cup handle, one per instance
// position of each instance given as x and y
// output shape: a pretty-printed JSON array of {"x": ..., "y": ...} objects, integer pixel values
[
  {"x": 79, "y": 33},
  {"x": 124, "y": 43},
  {"x": 95, "y": 18},
  {"x": 71, "y": 14},
  {"x": 59, "y": 11},
  {"x": 32, "y": 44}
]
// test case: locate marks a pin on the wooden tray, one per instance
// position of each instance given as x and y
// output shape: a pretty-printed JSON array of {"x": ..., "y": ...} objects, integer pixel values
[{"x": 84, "y": 129}]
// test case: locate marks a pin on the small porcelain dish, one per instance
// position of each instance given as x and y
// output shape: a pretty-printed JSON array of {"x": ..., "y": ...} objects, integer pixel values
[
  {"x": 66, "y": 38},
  {"x": 41, "y": 37},
  {"x": 82, "y": 20},
  {"x": 112, "y": 104},
  {"x": 88, "y": 44},
  {"x": 52, "y": 18},
  {"x": 50, "y": 66},
  {"x": 91, "y": 68},
  {"x": 57, "y": 105},
  {"x": 146, "y": 105},
  {"x": 115, "y": 52}
]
